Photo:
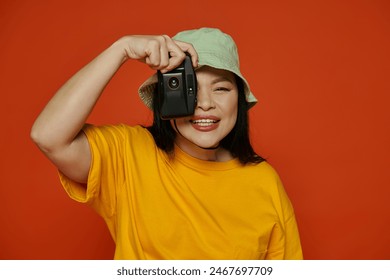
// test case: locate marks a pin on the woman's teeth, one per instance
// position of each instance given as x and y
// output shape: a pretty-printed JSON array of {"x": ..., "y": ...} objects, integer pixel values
[{"x": 203, "y": 122}]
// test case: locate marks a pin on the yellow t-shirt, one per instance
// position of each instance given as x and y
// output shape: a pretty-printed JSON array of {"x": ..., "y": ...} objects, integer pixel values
[{"x": 184, "y": 208}]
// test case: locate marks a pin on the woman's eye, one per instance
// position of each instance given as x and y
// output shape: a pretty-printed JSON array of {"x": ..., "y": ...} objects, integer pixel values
[{"x": 222, "y": 89}]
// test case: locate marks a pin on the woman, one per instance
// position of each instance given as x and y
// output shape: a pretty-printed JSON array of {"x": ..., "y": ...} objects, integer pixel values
[{"x": 188, "y": 188}]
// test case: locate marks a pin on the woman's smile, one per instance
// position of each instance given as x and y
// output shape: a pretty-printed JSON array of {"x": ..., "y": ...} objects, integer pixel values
[{"x": 205, "y": 123}]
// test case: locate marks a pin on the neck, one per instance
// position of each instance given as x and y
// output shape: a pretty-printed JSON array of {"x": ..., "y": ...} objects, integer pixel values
[{"x": 214, "y": 153}]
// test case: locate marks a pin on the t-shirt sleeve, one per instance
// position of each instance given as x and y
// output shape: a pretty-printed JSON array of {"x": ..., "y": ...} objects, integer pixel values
[
  {"x": 285, "y": 241},
  {"x": 293, "y": 250},
  {"x": 106, "y": 170}
]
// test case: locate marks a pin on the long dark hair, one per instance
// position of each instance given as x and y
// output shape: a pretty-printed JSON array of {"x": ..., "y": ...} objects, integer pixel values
[{"x": 237, "y": 142}]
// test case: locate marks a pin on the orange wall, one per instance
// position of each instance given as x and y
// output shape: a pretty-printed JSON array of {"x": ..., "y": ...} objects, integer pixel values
[{"x": 319, "y": 68}]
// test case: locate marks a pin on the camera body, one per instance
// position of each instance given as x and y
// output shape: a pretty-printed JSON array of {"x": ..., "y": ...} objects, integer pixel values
[{"x": 177, "y": 91}]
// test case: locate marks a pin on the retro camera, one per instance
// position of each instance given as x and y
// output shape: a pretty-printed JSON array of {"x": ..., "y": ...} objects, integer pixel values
[{"x": 177, "y": 91}]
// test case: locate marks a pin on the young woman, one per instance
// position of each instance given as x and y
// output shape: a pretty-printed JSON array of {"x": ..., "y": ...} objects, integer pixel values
[{"x": 188, "y": 188}]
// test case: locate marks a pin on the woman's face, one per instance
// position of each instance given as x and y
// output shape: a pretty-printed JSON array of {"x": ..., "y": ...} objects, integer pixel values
[{"x": 215, "y": 113}]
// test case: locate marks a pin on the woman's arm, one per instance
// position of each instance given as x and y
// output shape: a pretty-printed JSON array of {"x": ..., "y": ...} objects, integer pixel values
[{"x": 58, "y": 129}]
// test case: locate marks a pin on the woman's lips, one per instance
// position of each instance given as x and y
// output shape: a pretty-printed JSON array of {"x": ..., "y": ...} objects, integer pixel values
[{"x": 205, "y": 123}]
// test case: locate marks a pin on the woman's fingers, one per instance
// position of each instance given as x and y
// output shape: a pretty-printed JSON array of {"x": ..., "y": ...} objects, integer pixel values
[
  {"x": 161, "y": 52},
  {"x": 189, "y": 48}
]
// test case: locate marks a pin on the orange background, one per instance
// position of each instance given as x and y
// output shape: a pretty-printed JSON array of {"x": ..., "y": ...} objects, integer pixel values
[{"x": 321, "y": 70}]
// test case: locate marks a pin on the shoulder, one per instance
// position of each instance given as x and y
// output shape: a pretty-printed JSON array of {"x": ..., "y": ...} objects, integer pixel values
[
  {"x": 120, "y": 137},
  {"x": 114, "y": 128},
  {"x": 267, "y": 178},
  {"x": 263, "y": 170},
  {"x": 116, "y": 131}
]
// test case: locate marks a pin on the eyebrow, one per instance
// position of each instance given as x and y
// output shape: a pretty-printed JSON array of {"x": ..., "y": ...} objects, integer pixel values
[{"x": 221, "y": 79}]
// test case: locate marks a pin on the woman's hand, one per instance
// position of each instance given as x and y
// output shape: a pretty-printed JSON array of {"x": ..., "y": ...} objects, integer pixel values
[{"x": 159, "y": 52}]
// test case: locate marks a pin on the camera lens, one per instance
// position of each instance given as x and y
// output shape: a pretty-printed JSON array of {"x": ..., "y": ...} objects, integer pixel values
[{"x": 173, "y": 83}]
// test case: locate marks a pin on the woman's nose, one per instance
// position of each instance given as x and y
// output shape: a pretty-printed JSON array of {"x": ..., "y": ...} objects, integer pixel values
[{"x": 204, "y": 100}]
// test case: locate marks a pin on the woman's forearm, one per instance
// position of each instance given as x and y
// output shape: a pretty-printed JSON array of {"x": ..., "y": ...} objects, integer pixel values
[{"x": 65, "y": 114}]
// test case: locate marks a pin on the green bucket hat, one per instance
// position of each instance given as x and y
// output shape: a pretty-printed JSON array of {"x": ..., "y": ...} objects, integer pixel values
[{"x": 215, "y": 49}]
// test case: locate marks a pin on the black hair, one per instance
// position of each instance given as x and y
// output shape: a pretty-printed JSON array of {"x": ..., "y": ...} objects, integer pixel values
[{"x": 237, "y": 142}]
